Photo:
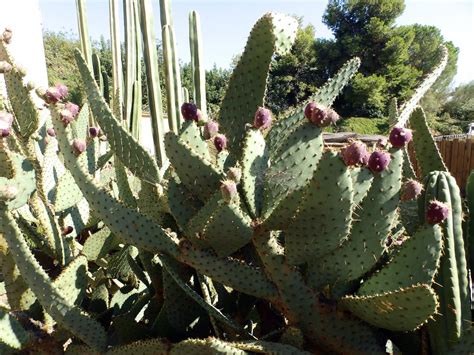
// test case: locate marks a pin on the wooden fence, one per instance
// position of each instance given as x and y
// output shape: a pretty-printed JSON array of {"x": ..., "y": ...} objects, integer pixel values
[{"x": 458, "y": 155}]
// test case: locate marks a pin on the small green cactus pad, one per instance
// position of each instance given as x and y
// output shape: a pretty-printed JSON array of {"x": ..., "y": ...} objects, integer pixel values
[
  {"x": 12, "y": 333},
  {"x": 416, "y": 262},
  {"x": 66, "y": 193},
  {"x": 402, "y": 310},
  {"x": 254, "y": 164},
  {"x": 426, "y": 151},
  {"x": 127, "y": 148},
  {"x": 223, "y": 226},
  {"x": 324, "y": 96},
  {"x": 361, "y": 181},
  {"x": 272, "y": 34},
  {"x": 26, "y": 114},
  {"x": 465, "y": 344},
  {"x": 183, "y": 205},
  {"x": 324, "y": 216},
  {"x": 367, "y": 238},
  {"x": 52, "y": 166},
  {"x": 119, "y": 265},
  {"x": 99, "y": 299},
  {"x": 72, "y": 281},
  {"x": 172, "y": 267},
  {"x": 99, "y": 244},
  {"x": 81, "y": 124},
  {"x": 191, "y": 135},
  {"x": 196, "y": 173},
  {"x": 126, "y": 223},
  {"x": 60, "y": 308},
  {"x": 23, "y": 182},
  {"x": 230, "y": 272},
  {"x": 290, "y": 171}
]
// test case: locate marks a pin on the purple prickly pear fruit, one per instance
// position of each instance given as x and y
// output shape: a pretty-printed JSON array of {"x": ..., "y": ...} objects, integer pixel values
[
  {"x": 379, "y": 161},
  {"x": 5, "y": 67},
  {"x": 320, "y": 115},
  {"x": 73, "y": 108},
  {"x": 52, "y": 95},
  {"x": 51, "y": 132},
  {"x": 355, "y": 154},
  {"x": 67, "y": 230},
  {"x": 436, "y": 212},
  {"x": 220, "y": 142},
  {"x": 411, "y": 190},
  {"x": 7, "y": 35},
  {"x": 228, "y": 190},
  {"x": 6, "y": 121},
  {"x": 309, "y": 109},
  {"x": 62, "y": 90},
  {"x": 234, "y": 174},
  {"x": 263, "y": 118},
  {"x": 66, "y": 116},
  {"x": 94, "y": 131},
  {"x": 189, "y": 111},
  {"x": 332, "y": 117},
  {"x": 400, "y": 136},
  {"x": 79, "y": 146},
  {"x": 211, "y": 128},
  {"x": 8, "y": 192}
]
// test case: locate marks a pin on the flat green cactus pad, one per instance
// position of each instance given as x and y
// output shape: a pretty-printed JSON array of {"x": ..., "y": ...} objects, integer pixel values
[
  {"x": 323, "y": 221},
  {"x": 66, "y": 193},
  {"x": 124, "y": 145},
  {"x": 191, "y": 135},
  {"x": 292, "y": 168},
  {"x": 223, "y": 226},
  {"x": 361, "y": 181},
  {"x": 367, "y": 238},
  {"x": 183, "y": 205},
  {"x": 197, "y": 173},
  {"x": 19, "y": 295},
  {"x": 205, "y": 346},
  {"x": 324, "y": 96},
  {"x": 272, "y": 34},
  {"x": 254, "y": 164},
  {"x": 416, "y": 262},
  {"x": 426, "y": 150},
  {"x": 402, "y": 310},
  {"x": 72, "y": 281},
  {"x": 12, "y": 333}
]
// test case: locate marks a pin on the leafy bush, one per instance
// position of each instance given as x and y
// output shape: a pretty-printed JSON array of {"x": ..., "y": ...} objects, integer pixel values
[{"x": 364, "y": 125}]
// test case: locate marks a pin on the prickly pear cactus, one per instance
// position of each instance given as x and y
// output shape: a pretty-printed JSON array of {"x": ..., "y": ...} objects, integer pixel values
[{"x": 257, "y": 237}]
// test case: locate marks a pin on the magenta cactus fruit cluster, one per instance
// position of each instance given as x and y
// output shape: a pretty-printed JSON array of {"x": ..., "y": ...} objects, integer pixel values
[
  {"x": 400, "y": 137},
  {"x": 355, "y": 153},
  {"x": 190, "y": 111},
  {"x": 56, "y": 93},
  {"x": 6, "y": 121},
  {"x": 5, "y": 67},
  {"x": 94, "y": 132},
  {"x": 320, "y": 115},
  {"x": 228, "y": 190},
  {"x": 436, "y": 212},
  {"x": 73, "y": 108},
  {"x": 378, "y": 161},
  {"x": 411, "y": 190},
  {"x": 211, "y": 128},
  {"x": 79, "y": 146},
  {"x": 263, "y": 118},
  {"x": 220, "y": 142}
]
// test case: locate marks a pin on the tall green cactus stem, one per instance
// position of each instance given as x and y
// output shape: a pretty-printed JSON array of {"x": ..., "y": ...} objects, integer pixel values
[
  {"x": 86, "y": 47},
  {"x": 59, "y": 307},
  {"x": 197, "y": 66},
  {"x": 470, "y": 235},
  {"x": 153, "y": 79},
  {"x": 117, "y": 73},
  {"x": 97, "y": 70},
  {"x": 451, "y": 283},
  {"x": 272, "y": 34},
  {"x": 136, "y": 118},
  {"x": 172, "y": 70},
  {"x": 426, "y": 150}
]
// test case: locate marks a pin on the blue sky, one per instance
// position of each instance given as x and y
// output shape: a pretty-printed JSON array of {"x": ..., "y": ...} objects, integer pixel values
[{"x": 226, "y": 23}]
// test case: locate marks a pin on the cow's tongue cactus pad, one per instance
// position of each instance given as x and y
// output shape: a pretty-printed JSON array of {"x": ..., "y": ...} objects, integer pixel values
[{"x": 245, "y": 233}]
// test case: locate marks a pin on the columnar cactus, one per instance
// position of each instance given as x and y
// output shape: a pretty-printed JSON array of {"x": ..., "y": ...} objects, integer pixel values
[{"x": 258, "y": 232}]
